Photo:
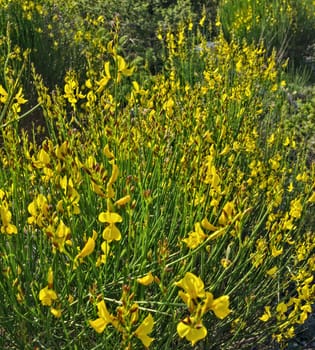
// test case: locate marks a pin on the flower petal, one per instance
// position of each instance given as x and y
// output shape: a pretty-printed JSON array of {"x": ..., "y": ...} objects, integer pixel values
[
  {"x": 99, "y": 325},
  {"x": 146, "y": 280},
  {"x": 110, "y": 218},
  {"x": 144, "y": 329},
  {"x": 220, "y": 306}
]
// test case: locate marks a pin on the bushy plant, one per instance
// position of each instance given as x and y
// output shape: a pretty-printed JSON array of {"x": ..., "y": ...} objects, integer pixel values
[
  {"x": 285, "y": 25},
  {"x": 164, "y": 212}
]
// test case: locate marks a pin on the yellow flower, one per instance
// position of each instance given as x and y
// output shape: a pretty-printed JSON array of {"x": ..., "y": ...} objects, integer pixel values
[
  {"x": 102, "y": 83},
  {"x": 111, "y": 232},
  {"x": 267, "y": 315},
  {"x": 50, "y": 278},
  {"x": 202, "y": 21},
  {"x": 144, "y": 329},
  {"x": 227, "y": 213},
  {"x": 281, "y": 308},
  {"x": 56, "y": 312},
  {"x": 312, "y": 198},
  {"x": 272, "y": 272},
  {"x": 220, "y": 306},
  {"x": 110, "y": 193},
  {"x": 5, "y": 216},
  {"x": 88, "y": 248},
  {"x": 225, "y": 262},
  {"x": 107, "y": 69},
  {"x": 122, "y": 201},
  {"x": 105, "y": 249},
  {"x": 115, "y": 172},
  {"x": 108, "y": 153},
  {"x": 47, "y": 296},
  {"x": 146, "y": 280},
  {"x": 61, "y": 236},
  {"x": 195, "y": 238},
  {"x": 39, "y": 210},
  {"x": 104, "y": 319},
  {"x": 192, "y": 285},
  {"x": 19, "y": 97},
  {"x": 192, "y": 330},
  {"x": 122, "y": 69},
  {"x": 97, "y": 189},
  {"x": 207, "y": 225},
  {"x": 3, "y": 94},
  {"x": 110, "y": 218},
  {"x": 275, "y": 251},
  {"x": 296, "y": 208}
]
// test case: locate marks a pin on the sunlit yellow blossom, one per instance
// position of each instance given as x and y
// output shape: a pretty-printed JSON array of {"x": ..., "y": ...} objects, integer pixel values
[
  {"x": 312, "y": 198},
  {"x": 290, "y": 187},
  {"x": 6, "y": 216},
  {"x": 42, "y": 160},
  {"x": 272, "y": 272},
  {"x": 56, "y": 312},
  {"x": 267, "y": 315},
  {"x": 144, "y": 329},
  {"x": 3, "y": 94},
  {"x": 50, "y": 277},
  {"x": 88, "y": 84},
  {"x": 122, "y": 201},
  {"x": 192, "y": 330},
  {"x": 108, "y": 153},
  {"x": 281, "y": 309},
  {"x": 227, "y": 214},
  {"x": 88, "y": 247},
  {"x": 110, "y": 218},
  {"x": 111, "y": 232},
  {"x": 122, "y": 69},
  {"x": 115, "y": 172},
  {"x": 19, "y": 97},
  {"x": 275, "y": 251},
  {"x": 207, "y": 225},
  {"x": 39, "y": 210},
  {"x": 104, "y": 319},
  {"x": 102, "y": 83},
  {"x": 107, "y": 69},
  {"x": 195, "y": 238},
  {"x": 105, "y": 247},
  {"x": 303, "y": 177},
  {"x": 220, "y": 305},
  {"x": 192, "y": 285},
  {"x": 296, "y": 208},
  {"x": 146, "y": 280},
  {"x": 47, "y": 296},
  {"x": 61, "y": 236},
  {"x": 71, "y": 89},
  {"x": 202, "y": 21}
]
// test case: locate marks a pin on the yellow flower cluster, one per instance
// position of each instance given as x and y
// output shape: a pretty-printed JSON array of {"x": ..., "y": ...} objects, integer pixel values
[
  {"x": 176, "y": 152},
  {"x": 48, "y": 296},
  {"x": 7, "y": 227},
  {"x": 125, "y": 320},
  {"x": 198, "y": 302}
]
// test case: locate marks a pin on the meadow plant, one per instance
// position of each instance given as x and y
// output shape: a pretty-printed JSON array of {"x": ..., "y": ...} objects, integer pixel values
[
  {"x": 164, "y": 213},
  {"x": 285, "y": 25}
]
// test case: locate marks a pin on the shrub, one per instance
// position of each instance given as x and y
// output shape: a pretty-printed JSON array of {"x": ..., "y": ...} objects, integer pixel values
[
  {"x": 285, "y": 25},
  {"x": 164, "y": 212}
]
